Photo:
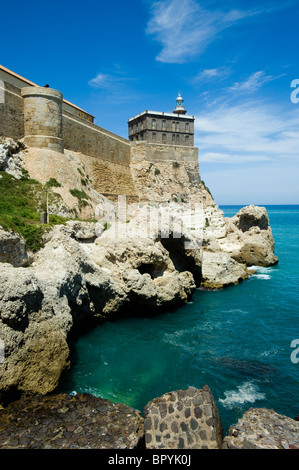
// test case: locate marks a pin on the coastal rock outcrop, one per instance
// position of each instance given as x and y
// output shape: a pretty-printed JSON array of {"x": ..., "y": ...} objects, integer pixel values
[
  {"x": 13, "y": 249},
  {"x": 78, "y": 279},
  {"x": 260, "y": 428}
]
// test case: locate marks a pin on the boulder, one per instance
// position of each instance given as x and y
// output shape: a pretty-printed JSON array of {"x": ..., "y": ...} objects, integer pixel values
[
  {"x": 249, "y": 238},
  {"x": 13, "y": 248}
]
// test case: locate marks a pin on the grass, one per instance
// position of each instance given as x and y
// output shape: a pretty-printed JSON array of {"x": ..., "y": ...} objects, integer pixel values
[{"x": 21, "y": 202}]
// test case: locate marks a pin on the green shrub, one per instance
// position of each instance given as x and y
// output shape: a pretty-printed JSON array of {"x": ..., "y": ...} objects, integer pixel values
[
  {"x": 52, "y": 183},
  {"x": 79, "y": 194}
]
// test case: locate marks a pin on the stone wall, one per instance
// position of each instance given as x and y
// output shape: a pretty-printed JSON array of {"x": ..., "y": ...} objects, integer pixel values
[
  {"x": 164, "y": 153},
  {"x": 11, "y": 111},
  {"x": 82, "y": 136}
]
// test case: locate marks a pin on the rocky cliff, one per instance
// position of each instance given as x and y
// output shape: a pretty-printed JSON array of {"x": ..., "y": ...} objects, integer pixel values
[{"x": 149, "y": 257}]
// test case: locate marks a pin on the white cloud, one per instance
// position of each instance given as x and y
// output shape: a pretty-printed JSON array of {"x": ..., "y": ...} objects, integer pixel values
[
  {"x": 211, "y": 74},
  {"x": 253, "y": 82},
  {"x": 185, "y": 29},
  {"x": 107, "y": 81},
  {"x": 116, "y": 85},
  {"x": 247, "y": 132}
]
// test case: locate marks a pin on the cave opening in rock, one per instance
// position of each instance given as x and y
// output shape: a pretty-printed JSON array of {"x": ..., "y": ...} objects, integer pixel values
[{"x": 151, "y": 269}]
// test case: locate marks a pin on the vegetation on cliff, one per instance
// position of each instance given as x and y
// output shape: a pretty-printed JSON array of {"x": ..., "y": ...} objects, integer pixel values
[{"x": 22, "y": 201}]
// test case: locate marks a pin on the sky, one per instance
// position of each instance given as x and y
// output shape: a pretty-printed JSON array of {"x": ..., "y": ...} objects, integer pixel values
[{"x": 234, "y": 62}]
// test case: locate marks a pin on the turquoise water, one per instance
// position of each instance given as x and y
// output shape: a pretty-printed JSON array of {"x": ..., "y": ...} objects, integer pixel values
[{"x": 237, "y": 341}]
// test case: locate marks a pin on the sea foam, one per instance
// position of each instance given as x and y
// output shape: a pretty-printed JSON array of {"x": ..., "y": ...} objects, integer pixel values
[{"x": 245, "y": 393}]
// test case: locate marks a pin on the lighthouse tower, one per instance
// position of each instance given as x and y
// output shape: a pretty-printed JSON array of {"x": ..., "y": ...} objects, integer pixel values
[{"x": 179, "y": 109}]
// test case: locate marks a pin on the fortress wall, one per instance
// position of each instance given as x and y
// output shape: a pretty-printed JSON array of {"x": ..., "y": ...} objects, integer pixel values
[
  {"x": 164, "y": 153},
  {"x": 82, "y": 136},
  {"x": 11, "y": 111}
]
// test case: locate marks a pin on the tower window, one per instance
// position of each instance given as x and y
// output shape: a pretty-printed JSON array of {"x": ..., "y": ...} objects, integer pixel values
[
  {"x": 187, "y": 139},
  {"x": 173, "y": 126},
  {"x": 177, "y": 138},
  {"x": 177, "y": 126},
  {"x": 163, "y": 124},
  {"x": 154, "y": 136},
  {"x": 173, "y": 137},
  {"x": 153, "y": 123},
  {"x": 187, "y": 126},
  {"x": 164, "y": 138}
]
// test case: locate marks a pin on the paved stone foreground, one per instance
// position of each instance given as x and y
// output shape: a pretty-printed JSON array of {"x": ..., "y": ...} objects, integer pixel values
[
  {"x": 260, "y": 428},
  {"x": 184, "y": 419},
  {"x": 70, "y": 422}
]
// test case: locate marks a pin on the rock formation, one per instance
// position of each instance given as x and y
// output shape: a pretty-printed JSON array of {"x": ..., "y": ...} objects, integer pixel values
[{"x": 149, "y": 258}]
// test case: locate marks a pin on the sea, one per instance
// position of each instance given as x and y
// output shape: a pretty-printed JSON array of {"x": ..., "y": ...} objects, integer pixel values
[{"x": 241, "y": 341}]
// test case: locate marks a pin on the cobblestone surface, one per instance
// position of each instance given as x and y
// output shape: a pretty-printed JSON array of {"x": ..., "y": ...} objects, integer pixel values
[
  {"x": 260, "y": 428},
  {"x": 185, "y": 419},
  {"x": 70, "y": 422}
]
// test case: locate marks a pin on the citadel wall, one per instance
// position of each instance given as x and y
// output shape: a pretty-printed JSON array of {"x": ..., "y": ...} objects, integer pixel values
[{"x": 41, "y": 117}]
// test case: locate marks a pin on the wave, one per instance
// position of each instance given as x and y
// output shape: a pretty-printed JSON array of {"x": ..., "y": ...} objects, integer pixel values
[
  {"x": 245, "y": 393},
  {"x": 262, "y": 276}
]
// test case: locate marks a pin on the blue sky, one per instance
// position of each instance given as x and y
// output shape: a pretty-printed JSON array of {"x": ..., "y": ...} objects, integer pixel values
[{"x": 233, "y": 61}]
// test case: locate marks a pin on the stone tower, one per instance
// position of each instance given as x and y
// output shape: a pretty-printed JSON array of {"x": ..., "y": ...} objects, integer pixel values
[{"x": 43, "y": 118}]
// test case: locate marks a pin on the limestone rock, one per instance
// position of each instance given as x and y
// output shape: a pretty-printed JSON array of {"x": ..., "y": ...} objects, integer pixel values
[
  {"x": 13, "y": 248},
  {"x": 260, "y": 428},
  {"x": 248, "y": 238},
  {"x": 77, "y": 280},
  {"x": 251, "y": 216},
  {"x": 220, "y": 270},
  {"x": 70, "y": 422},
  {"x": 12, "y": 157},
  {"x": 33, "y": 327},
  {"x": 184, "y": 419}
]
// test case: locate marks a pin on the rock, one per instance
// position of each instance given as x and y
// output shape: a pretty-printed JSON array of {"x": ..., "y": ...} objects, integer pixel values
[
  {"x": 13, "y": 248},
  {"x": 251, "y": 216},
  {"x": 33, "y": 327},
  {"x": 260, "y": 428},
  {"x": 220, "y": 270},
  {"x": 185, "y": 419},
  {"x": 70, "y": 422},
  {"x": 249, "y": 238},
  {"x": 11, "y": 157},
  {"x": 73, "y": 284}
]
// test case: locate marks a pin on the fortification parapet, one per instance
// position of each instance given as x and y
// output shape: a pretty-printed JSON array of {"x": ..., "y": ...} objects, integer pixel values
[{"x": 43, "y": 118}]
